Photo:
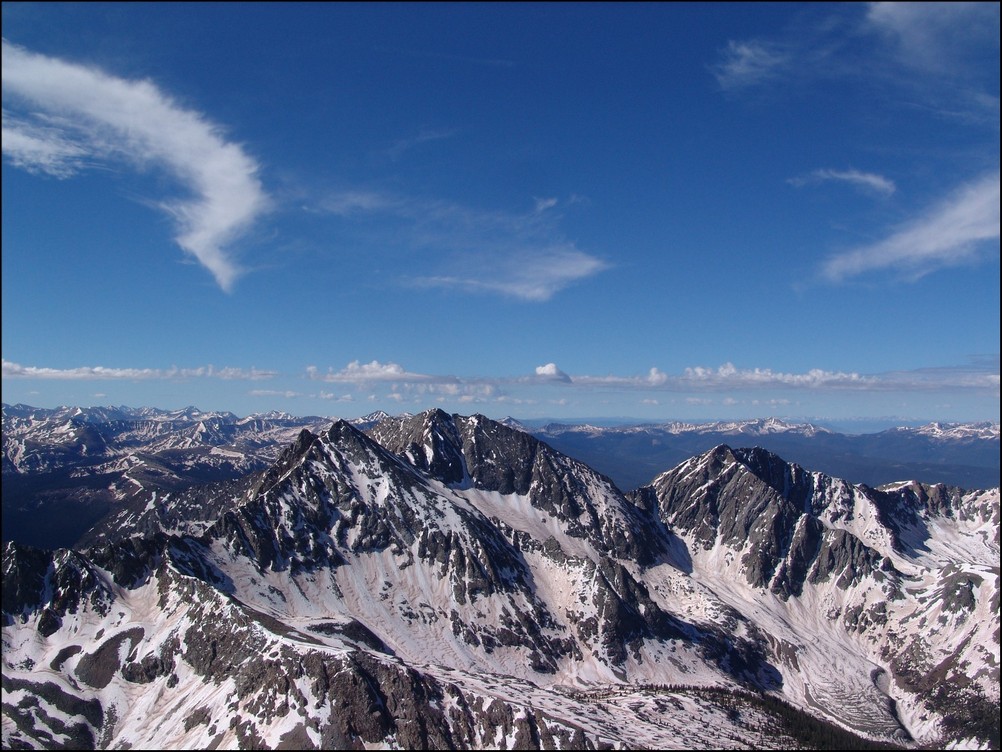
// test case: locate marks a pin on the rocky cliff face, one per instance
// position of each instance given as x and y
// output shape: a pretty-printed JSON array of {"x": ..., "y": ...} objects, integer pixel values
[
  {"x": 787, "y": 524},
  {"x": 905, "y": 576},
  {"x": 448, "y": 581},
  {"x": 483, "y": 454}
]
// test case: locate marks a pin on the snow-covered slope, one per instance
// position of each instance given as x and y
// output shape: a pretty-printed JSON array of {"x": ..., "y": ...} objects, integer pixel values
[{"x": 452, "y": 582}]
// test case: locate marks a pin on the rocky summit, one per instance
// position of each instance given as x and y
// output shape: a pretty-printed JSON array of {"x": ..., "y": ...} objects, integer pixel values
[{"x": 447, "y": 581}]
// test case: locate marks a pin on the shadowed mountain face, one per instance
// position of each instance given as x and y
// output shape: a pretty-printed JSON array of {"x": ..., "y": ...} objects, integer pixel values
[
  {"x": 68, "y": 469},
  {"x": 450, "y": 581}
]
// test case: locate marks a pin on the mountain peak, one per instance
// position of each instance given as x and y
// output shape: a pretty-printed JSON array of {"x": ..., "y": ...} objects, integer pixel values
[{"x": 430, "y": 441}]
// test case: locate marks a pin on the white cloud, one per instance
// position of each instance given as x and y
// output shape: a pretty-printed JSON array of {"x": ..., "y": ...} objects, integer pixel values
[
  {"x": 935, "y": 36},
  {"x": 521, "y": 255},
  {"x": 16, "y": 370},
  {"x": 79, "y": 114},
  {"x": 334, "y": 397},
  {"x": 360, "y": 373},
  {"x": 253, "y": 374},
  {"x": 534, "y": 274},
  {"x": 656, "y": 377},
  {"x": 550, "y": 372},
  {"x": 749, "y": 63},
  {"x": 938, "y": 57},
  {"x": 981, "y": 375},
  {"x": 542, "y": 204},
  {"x": 867, "y": 181},
  {"x": 953, "y": 231},
  {"x": 728, "y": 376},
  {"x": 38, "y": 148},
  {"x": 697, "y": 382}
]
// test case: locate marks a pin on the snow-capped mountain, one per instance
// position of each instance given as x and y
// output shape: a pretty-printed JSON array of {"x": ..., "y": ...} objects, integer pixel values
[
  {"x": 756, "y": 427},
  {"x": 965, "y": 455},
  {"x": 79, "y": 464},
  {"x": 38, "y": 440},
  {"x": 898, "y": 585},
  {"x": 955, "y": 431},
  {"x": 453, "y": 582}
]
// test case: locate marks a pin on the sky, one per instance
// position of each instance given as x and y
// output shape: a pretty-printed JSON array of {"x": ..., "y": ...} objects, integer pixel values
[{"x": 656, "y": 211}]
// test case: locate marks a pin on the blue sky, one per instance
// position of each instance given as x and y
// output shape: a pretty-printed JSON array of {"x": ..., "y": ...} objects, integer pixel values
[{"x": 678, "y": 211}]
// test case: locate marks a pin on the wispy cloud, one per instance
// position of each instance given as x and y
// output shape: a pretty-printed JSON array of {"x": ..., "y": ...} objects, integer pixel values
[
  {"x": 979, "y": 375},
  {"x": 41, "y": 149},
  {"x": 881, "y": 46},
  {"x": 16, "y": 370},
  {"x": 365, "y": 373},
  {"x": 542, "y": 204},
  {"x": 330, "y": 396},
  {"x": 73, "y": 115},
  {"x": 749, "y": 63},
  {"x": 868, "y": 182},
  {"x": 935, "y": 36},
  {"x": 399, "y": 384},
  {"x": 404, "y": 145},
  {"x": 956, "y": 230},
  {"x": 727, "y": 376},
  {"x": 520, "y": 255},
  {"x": 534, "y": 273}
]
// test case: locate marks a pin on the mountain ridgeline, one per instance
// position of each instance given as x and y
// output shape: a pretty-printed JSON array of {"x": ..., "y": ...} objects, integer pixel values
[{"x": 444, "y": 581}]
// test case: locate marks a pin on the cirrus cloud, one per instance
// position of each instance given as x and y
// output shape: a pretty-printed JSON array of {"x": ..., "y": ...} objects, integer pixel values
[
  {"x": 866, "y": 181},
  {"x": 520, "y": 255},
  {"x": 748, "y": 63},
  {"x": 72, "y": 116},
  {"x": 956, "y": 230}
]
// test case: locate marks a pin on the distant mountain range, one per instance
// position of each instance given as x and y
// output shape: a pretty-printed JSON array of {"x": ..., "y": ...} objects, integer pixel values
[
  {"x": 65, "y": 469},
  {"x": 960, "y": 454},
  {"x": 447, "y": 581}
]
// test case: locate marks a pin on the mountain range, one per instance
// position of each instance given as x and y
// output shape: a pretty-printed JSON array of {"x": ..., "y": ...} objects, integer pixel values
[
  {"x": 960, "y": 454},
  {"x": 67, "y": 469},
  {"x": 448, "y": 581}
]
